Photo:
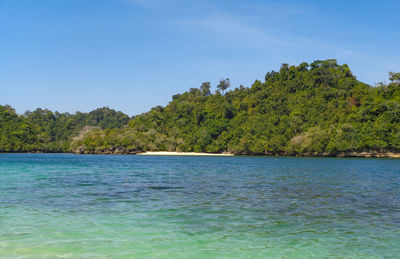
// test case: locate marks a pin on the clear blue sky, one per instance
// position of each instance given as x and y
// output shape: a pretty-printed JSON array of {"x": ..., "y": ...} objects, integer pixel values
[{"x": 131, "y": 55}]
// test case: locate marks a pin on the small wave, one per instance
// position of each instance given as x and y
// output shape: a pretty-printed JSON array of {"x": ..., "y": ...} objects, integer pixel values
[{"x": 164, "y": 187}]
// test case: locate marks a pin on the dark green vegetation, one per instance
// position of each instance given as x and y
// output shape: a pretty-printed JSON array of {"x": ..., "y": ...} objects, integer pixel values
[
  {"x": 45, "y": 131},
  {"x": 310, "y": 109}
]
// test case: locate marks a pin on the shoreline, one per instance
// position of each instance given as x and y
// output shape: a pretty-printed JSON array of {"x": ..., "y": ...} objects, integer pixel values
[
  {"x": 365, "y": 154},
  {"x": 173, "y": 153}
]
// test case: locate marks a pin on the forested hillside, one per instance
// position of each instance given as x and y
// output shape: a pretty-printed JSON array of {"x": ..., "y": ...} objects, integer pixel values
[
  {"x": 313, "y": 109},
  {"x": 45, "y": 131},
  {"x": 309, "y": 109}
]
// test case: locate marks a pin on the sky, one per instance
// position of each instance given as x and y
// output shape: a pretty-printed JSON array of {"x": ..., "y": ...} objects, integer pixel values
[{"x": 131, "y": 55}]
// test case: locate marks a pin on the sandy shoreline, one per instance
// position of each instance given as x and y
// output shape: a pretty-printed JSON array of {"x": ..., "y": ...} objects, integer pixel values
[{"x": 167, "y": 153}]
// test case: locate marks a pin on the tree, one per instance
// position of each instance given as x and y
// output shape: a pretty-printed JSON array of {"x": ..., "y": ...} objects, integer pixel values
[
  {"x": 394, "y": 77},
  {"x": 224, "y": 84},
  {"x": 205, "y": 88}
]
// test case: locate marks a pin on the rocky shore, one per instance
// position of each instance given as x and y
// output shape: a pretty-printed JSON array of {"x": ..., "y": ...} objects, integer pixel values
[{"x": 111, "y": 151}]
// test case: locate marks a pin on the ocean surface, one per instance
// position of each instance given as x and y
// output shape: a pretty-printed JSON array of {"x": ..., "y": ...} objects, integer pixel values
[{"x": 102, "y": 206}]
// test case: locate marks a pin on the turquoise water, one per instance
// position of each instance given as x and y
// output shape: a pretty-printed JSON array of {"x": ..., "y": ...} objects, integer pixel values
[{"x": 95, "y": 206}]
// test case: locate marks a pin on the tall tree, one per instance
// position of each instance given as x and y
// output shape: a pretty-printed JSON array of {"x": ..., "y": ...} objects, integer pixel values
[
  {"x": 394, "y": 77},
  {"x": 224, "y": 84},
  {"x": 205, "y": 88}
]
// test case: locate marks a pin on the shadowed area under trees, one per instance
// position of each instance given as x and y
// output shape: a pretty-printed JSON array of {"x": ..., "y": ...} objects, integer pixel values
[{"x": 309, "y": 109}]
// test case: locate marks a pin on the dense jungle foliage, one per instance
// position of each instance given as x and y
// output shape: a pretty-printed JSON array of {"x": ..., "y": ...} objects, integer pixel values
[
  {"x": 317, "y": 108},
  {"x": 45, "y": 131}
]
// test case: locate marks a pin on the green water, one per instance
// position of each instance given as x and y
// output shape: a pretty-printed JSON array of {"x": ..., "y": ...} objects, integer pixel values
[{"x": 95, "y": 206}]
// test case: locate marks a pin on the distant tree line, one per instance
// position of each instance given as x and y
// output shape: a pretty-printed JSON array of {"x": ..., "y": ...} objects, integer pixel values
[
  {"x": 318, "y": 108},
  {"x": 43, "y": 130}
]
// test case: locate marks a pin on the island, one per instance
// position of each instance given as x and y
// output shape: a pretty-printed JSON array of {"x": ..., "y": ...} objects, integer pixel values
[{"x": 317, "y": 109}]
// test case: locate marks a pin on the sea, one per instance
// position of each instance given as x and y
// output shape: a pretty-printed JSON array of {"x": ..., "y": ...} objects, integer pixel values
[{"x": 127, "y": 206}]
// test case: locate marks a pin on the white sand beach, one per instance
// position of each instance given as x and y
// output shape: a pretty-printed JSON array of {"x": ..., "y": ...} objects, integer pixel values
[{"x": 168, "y": 153}]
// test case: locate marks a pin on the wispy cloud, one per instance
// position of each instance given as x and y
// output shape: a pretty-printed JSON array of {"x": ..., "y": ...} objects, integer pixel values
[
  {"x": 266, "y": 30},
  {"x": 269, "y": 29},
  {"x": 234, "y": 29},
  {"x": 151, "y": 3}
]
